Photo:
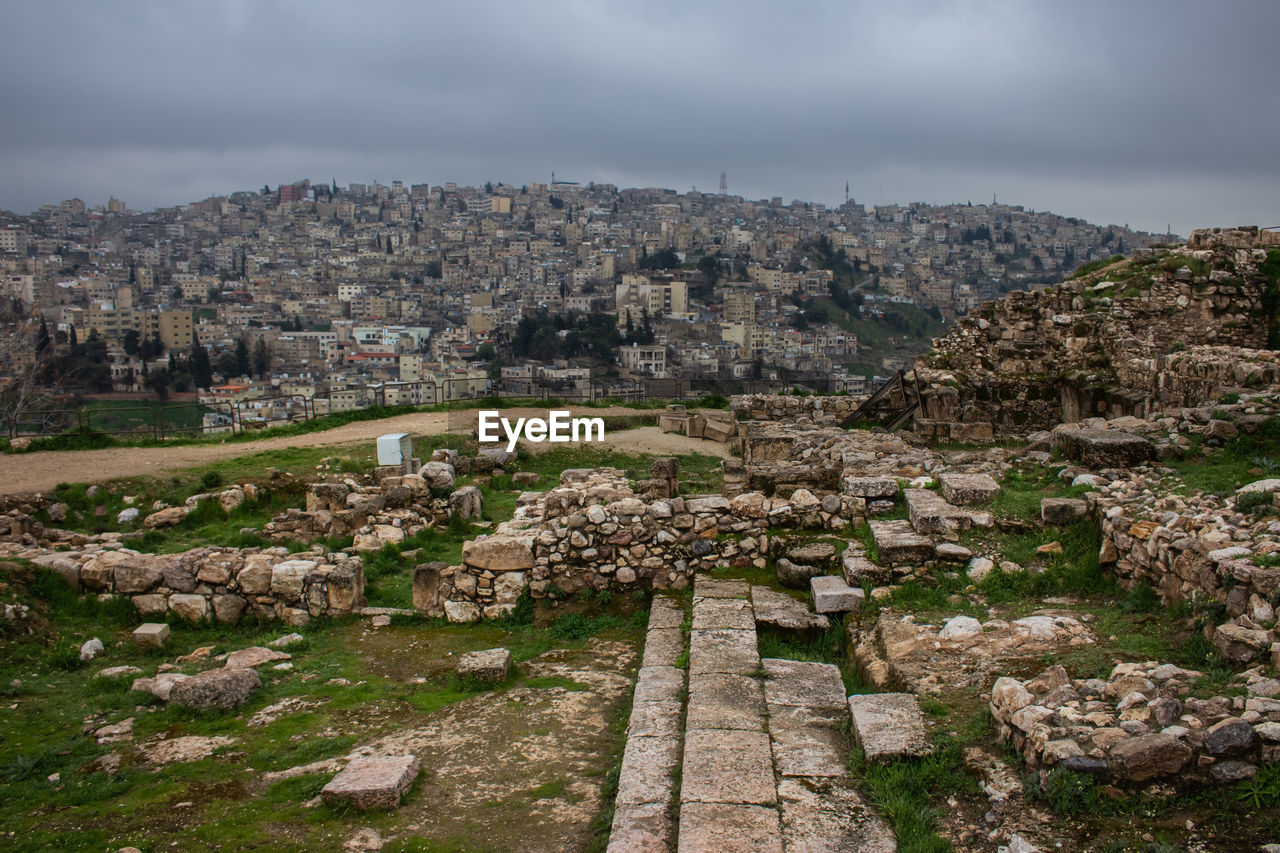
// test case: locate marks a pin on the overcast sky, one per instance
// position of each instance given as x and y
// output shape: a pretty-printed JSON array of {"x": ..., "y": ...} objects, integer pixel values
[{"x": 1149, "y": 114}]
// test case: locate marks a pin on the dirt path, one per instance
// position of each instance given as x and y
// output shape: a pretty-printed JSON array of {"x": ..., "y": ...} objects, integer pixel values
[{"x": 21, "y": 473}]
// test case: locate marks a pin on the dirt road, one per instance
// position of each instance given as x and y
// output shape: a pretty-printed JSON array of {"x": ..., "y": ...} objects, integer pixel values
[{"x": 21, "y": 473}]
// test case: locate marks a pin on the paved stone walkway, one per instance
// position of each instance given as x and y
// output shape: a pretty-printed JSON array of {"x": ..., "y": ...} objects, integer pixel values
[{"x": 762, "y": 756}]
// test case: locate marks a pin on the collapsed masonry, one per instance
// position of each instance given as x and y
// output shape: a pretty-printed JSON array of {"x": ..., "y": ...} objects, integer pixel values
[{"x": 1170, "y": 327}]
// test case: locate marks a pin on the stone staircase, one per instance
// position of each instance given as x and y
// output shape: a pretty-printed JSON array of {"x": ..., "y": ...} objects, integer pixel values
[{"x": 762, "y": 749}]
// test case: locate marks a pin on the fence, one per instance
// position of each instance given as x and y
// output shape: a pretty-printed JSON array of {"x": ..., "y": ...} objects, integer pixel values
[{"x": 156, "y": 420}]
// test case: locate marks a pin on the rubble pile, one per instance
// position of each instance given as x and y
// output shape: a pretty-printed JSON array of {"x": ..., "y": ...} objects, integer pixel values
[{"x": 1138, "y": 726}]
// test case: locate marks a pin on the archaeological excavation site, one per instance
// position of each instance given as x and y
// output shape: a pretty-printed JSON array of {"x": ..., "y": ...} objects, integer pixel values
[{"x": 1021, "y": 598}]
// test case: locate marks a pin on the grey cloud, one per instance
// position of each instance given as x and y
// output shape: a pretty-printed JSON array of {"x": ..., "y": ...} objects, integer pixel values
[{"x": 1103, "y": 110}]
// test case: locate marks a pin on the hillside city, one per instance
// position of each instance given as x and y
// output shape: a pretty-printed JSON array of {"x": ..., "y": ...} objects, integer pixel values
[{"x": 313, "y": 298}]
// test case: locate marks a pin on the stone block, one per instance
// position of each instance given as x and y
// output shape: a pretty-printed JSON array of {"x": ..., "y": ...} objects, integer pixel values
[
  {"x": 499, "y": 553},
  {"x": 889, "y": 725},
  {"x": 151, "y": 635},
  {"x": 967, "y": 489},
  {"x": 372, "y": 782},
  {"x": 1149, "y": 756},
  {"x": 724, "y": 827},
  {"x": 871, "y": 488},
  {"x": 897, "y": 542},
  {"x": 720, "y": 701},
  {"x": 1062, "y": 510},
  {"x": 832, "y": 595},
  {"x": 490, "y": 666},
  {"x": 641, "y": 828},
  {"x": 734, "y": 766},
  {"x": 779, "y": 610},
  {"x": 221, "y": 689},
  {"x": 929, "y": 513},
  {"x": 1103, "y": 448}
]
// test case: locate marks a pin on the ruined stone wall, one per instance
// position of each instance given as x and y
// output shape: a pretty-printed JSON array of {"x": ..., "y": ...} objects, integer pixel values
[
  {"x": 778, "y": 407},
  {"x": 595, "y": 532},
  {"x": 1189, "y": 556},
  {"x": 1089, "y": 347},
  {"x": 218, "y": 583}
]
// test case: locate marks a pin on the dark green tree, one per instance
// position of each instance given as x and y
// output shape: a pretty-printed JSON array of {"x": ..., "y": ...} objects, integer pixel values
[
  {"x": 261, "y": 358},
  {"x": 227, "y": 364},
  {"x": 131, "y": 341},
  {"x": 242, "y": 358},
  {"x": 201, "y": 369}
]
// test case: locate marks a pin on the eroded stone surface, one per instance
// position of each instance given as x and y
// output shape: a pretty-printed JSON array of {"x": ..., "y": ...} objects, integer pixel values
[
  {"x": 372, "y": 782},
  {"x": 897, "y": 542},
  {"x": 888, "y": 725},
  {"x": 729, "y": 828},
  {"x": 779, "y": 610},
  {"x": 828, "y": 816},
  {"x": 719, "y": 701}
]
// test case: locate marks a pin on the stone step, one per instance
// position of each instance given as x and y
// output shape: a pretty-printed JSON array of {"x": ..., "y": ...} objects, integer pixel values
[
  {"x": 897, "y": 542},
  {"x": 643, "y": 808},
  {"x": 888, "y": 726},
  {"x": 967, "y": 489},
  {"x": 832, "y": 595},
  {"x": 931, "y": 515},
  {"x": 778, "y": 610},
  {"x": 728, "y": 794},
  {"x": 821, "y": 809}
]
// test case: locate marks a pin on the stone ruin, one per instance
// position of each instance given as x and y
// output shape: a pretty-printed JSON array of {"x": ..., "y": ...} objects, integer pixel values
[
  {"x": 596, "y": 531},
  {"x": 1087, "y": 347}
]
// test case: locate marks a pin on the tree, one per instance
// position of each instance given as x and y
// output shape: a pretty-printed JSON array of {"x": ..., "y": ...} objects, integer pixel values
[
  {"x": 261, "y": 358},
  {"x": 131, "y": 341},
  {"x": 227, "y": 364},
  {"x": 71, "y": 337},
  {"x": 28, "y": 372},
  {"x": 242, "y": 358},
  {"x": 201, "y": 369},
  {"x": 158, "y": 381}
]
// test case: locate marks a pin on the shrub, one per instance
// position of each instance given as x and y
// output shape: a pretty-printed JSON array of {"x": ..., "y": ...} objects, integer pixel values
[
  {"x": 1253, "y": 503},
  {"x": 210, "y": 480},
  {"x": 1066, "y": 792}
]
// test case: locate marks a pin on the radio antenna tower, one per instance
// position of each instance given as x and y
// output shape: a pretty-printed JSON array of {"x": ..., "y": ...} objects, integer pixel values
[{"x": 724, "y": 184}]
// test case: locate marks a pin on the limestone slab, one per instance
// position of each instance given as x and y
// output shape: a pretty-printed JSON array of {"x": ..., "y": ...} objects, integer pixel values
[
  {"x": 724, "y": 766},
  {"x": 723, "y": 651},
  {"x": 779, "y": 610},
  {"x": 654, "y": 719},
  {"x": 647, "y": 765},
  {"x": 828, "y": 816},
  {"x": 705, "y": 587},
  {"x": 665, "y": 613},
  {"x": 372, "y": 782},
  {"x": 897, "y": 542},
  {"x": 807, "y": 743},
  {"x": 930, "y": 514},
  {"x": 658, "y": 684},
  {"x": 641, "y": 828},
  {"x": 795, "y": 682},
  {"x": 719, "y": 701},
  {"x": 662, "y": 646},
  {"x": 729, "y": 828},
  {"x": 966, "y": 489},
  {"x": 832, "y": 595},
  {"x": 888, "y": 725},
  {"x": 712, "y": 613},
  {"x": 874, "y": 488}
]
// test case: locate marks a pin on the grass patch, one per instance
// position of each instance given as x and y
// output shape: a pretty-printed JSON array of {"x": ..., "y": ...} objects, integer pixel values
[{"x": 906, "y": 792}]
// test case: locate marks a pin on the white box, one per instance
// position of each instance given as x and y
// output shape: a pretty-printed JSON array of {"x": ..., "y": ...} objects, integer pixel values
[{"x": 394, "y": 448}]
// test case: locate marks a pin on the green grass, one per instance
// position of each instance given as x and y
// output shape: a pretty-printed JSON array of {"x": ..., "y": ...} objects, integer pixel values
[
  {"x": 1234, "y": 465},
  {"x": 907, "y": 792}
]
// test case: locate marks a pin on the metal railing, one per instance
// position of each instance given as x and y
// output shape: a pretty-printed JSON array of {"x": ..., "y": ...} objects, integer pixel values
[{"x": 148, "y": 418}]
